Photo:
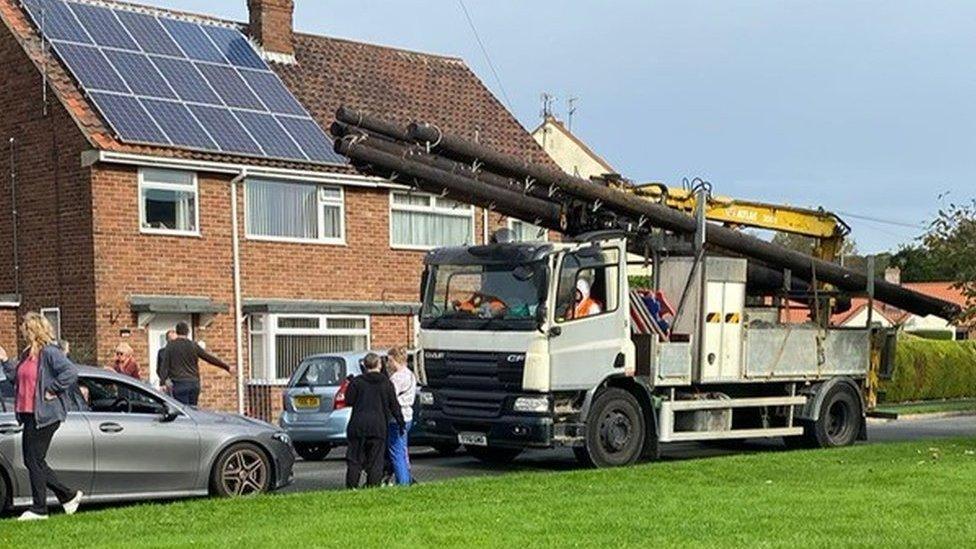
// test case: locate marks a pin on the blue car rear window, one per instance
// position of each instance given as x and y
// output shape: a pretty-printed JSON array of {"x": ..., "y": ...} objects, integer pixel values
[{"x": 323, "y": 372}]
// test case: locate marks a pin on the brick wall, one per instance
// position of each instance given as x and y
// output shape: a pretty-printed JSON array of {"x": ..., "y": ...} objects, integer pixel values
[{"x": 53, "y": 201}]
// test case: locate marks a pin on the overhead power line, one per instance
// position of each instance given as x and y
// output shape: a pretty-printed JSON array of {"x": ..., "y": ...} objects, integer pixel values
[
  {"x": 884, "y": 221},
  {"x": 484, "y": 51}
]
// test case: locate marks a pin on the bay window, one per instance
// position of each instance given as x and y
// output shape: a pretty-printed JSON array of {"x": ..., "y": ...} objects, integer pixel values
[
  {"x": 423, "y": 221},
  {"x": 279, "y": 342},
  {"x": 277, "y": 210}
]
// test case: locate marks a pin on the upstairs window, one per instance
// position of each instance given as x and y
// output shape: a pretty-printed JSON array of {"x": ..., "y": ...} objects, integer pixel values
[
  {"x": 301, "y": 212},
  {"x": 168, "y": 202},
  {"x": 527, "y": 232},
  {"x": 424, "y": 221}
]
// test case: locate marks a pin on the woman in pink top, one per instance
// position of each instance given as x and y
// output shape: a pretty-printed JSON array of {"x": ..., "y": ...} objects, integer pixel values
[{"x": 41, "y": 381}]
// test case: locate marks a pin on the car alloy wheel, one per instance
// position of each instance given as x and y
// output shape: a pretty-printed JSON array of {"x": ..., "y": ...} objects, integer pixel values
[{"x": 244, "y": 472}]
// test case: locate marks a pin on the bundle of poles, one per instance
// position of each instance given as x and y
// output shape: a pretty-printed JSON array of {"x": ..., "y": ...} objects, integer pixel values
[{"x": 420, "y": 155}]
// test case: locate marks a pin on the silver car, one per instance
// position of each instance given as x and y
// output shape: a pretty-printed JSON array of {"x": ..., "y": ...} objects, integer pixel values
[
  {"x": 314, "y": 410},
  {"x": 126, "y": 441}
]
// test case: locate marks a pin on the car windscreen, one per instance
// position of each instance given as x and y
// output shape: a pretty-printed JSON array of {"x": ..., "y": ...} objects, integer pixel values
[
  {"x": 322, "y": 372},
  {"x": 502, "y": 297}
]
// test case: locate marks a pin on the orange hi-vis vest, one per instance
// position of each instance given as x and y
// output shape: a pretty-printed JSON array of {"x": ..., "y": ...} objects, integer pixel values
[{"x": 584, "y": 306}]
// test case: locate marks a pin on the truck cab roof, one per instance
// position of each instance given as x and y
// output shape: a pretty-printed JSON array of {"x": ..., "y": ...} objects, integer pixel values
[{"x": 491, "y": 254}]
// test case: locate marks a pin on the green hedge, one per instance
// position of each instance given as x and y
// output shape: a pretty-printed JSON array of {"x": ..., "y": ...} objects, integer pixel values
[{"x": 927, "y": 369}]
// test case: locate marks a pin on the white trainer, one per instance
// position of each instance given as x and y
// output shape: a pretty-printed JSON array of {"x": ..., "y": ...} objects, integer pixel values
[
  {"x": 31, "y": 515},
  {"x": 72, "y": 505}
]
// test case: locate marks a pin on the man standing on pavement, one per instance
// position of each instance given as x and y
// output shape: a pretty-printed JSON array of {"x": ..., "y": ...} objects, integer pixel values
[
  {"x": 180, "y": 365},
  {"x": 374, "y": 405}
]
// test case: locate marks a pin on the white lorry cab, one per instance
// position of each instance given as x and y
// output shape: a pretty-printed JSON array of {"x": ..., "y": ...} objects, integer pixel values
[{"x": 545, "y": 344}]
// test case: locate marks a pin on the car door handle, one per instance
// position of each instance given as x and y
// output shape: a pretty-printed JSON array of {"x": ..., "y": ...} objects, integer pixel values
[
  {"x": 10, "y": 428},
  {"x": 110, "y": 427}
]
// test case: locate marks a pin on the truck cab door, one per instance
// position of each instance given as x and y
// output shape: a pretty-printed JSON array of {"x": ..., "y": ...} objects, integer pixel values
[{"x": 589, "y": 333}]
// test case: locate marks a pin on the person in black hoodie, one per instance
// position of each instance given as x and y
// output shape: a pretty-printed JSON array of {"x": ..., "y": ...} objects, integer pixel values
[{"x": 374, "y": 405}]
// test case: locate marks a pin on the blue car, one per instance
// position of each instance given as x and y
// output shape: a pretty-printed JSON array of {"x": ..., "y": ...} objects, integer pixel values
[{"x": 314, "y": 407}]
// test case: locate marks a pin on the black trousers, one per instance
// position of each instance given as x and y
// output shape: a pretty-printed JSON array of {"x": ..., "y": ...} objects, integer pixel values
[
  {"x": 186, "y": 391},
  {"x": 35, "y": 445},
  {"x": 365, "y": 454}
]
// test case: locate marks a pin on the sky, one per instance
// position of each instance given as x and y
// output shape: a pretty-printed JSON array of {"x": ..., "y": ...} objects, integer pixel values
[{"x": 865, "y": 108}]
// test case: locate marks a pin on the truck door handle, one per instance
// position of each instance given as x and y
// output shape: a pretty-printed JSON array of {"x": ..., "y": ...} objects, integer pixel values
[
  {"x": 110, "y": 427},
  {"x": 10, "y": 428}
]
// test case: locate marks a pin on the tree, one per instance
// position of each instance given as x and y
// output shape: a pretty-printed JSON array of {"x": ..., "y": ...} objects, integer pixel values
[{"x": 951, "y": 240}]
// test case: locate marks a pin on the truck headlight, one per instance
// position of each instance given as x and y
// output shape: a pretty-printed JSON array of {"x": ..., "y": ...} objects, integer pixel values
[
  {"x": 426, "y": 399},
  {"x": 282, "y": 436},
  {"x": 531, "y": 404}
]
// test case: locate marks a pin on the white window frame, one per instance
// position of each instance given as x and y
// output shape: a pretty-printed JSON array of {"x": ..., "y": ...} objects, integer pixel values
[
  {"x": 272, "y": 331},
  {"x": 512, "y": 220},
  {"x": 194, "y": 186},
  {"x": 468, "y": 210},
  {"x": 320, "y": 219},
  {"x": 57, "y": 326}
]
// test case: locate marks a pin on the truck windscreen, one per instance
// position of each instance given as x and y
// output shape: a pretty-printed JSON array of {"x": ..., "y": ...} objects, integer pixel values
[{"x": 472, "y": 297}]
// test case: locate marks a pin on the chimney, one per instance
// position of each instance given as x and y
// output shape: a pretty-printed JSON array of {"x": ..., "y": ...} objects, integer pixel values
[
  {"x": 893, "y": 275},
  {"x": 271, "y": 26}
]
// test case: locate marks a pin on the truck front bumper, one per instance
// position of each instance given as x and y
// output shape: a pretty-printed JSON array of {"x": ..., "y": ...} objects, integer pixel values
[{"x": 509, "y": 431}]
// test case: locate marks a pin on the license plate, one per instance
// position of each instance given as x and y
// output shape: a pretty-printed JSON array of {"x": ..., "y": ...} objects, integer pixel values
[
  {"x": 307, "y": 401},
  {"x": 473, "y": 439}
]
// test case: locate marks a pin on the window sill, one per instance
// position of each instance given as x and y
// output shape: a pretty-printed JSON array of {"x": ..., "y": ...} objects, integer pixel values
[
  {"x": 169, "y": 232},
  {"x": 419, "y": 248},
  {"x": 289, "y": 240}
]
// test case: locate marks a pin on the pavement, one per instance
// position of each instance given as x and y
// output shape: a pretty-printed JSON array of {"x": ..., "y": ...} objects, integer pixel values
[{"x": 428, "y": 466}]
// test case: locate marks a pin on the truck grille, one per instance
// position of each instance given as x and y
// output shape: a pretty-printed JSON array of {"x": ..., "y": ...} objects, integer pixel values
[
  {"x": 474, "y": 371},
  {"x": 473, "y": 385}
]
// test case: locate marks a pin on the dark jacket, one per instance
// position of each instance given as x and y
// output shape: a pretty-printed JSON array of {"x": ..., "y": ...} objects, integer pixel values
[
  {"x": 55, "y": 374},
  {"x": 180, "y": 361},
  {"x": 374, "y": 404}
]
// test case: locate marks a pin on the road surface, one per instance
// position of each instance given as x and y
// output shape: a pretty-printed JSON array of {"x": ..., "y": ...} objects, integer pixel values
[{"x": 430, "y": 467}]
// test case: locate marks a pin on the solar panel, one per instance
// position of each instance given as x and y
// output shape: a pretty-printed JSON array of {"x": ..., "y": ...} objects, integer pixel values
[
  {"x": 129, "y": 119},
  {"x": 149, "y": 33},
  {"x": 177, "y": 122},
  {"x": 162, "y": 80},
  {"x": 139, "y": 73},
  {"x": 103, "y": 27}
]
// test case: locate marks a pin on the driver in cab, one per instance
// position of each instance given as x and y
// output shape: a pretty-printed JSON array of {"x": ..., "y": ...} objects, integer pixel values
[
  {"x": 586, "y": 305},
  {"x": 482, "y": 305}
]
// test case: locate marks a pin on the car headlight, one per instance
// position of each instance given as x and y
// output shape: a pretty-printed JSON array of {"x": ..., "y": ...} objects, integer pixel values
[
  {"x": 426, "y": 399},
  {"x": 531, "y": 404},
  {"x": 282, "y": 436}
]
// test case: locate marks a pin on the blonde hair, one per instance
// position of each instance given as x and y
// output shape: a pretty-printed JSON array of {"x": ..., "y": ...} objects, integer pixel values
[
  {"x": 37, "y": 331},
  {"x": 124, "y": 348},
  {"x": 398, "y": 354}
]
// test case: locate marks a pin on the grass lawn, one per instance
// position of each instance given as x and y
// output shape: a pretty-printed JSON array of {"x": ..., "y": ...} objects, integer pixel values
[
  {"x": 930, "y": 407},
  {"x": 905, "y": 494}
]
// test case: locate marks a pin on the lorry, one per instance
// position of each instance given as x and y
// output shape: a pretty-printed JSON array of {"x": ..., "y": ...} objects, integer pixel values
[
  {"x": 523, "y": 368},
  {"x": 546, "y": 344}
]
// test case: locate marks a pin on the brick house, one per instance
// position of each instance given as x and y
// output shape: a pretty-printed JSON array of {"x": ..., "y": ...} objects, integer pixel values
[{"x": 119, "y": 241}]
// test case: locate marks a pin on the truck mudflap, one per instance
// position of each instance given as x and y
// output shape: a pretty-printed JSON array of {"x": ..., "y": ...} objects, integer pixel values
[{"x": 507, "y": 431}]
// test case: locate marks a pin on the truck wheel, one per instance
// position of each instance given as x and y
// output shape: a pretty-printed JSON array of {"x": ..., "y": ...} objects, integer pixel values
[
  {"x": 840, "y": 418},
  {"x": 615, "y": 431},
  {"x": 494, "y": 456}
]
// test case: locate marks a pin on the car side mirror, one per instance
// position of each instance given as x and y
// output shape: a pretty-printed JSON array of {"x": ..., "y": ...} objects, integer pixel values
[{"x": 170, "y": 413}]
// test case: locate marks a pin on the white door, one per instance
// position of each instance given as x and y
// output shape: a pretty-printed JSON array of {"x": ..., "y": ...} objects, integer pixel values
[{"x": 158, "y": 326}]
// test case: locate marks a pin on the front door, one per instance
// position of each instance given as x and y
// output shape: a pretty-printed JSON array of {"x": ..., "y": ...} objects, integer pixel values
[
  {"x": 590, "y": 318},
  {"x": 136, "y": 451},
  {"x": 158, "y": 326}
]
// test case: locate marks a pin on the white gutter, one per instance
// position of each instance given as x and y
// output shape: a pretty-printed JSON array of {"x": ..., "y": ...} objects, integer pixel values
[
  {"x": 91, "y": 157},
  {"x": 238, "y": 312}
]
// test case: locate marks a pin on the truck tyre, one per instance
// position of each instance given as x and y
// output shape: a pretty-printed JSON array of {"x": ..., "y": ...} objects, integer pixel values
[
  {"x": 615, "y": 431},
  {"x": 492, "y": 455},
  {"x": 839, "y": 421}
]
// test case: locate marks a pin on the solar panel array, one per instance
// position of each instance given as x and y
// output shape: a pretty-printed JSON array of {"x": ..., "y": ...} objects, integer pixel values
[{"x": 160, "y": 80}]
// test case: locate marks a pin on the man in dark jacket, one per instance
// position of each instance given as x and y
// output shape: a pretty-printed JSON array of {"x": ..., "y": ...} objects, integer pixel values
[
  {"x": 181, "y": 368},
  {"x": 374, "y": 405}
]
